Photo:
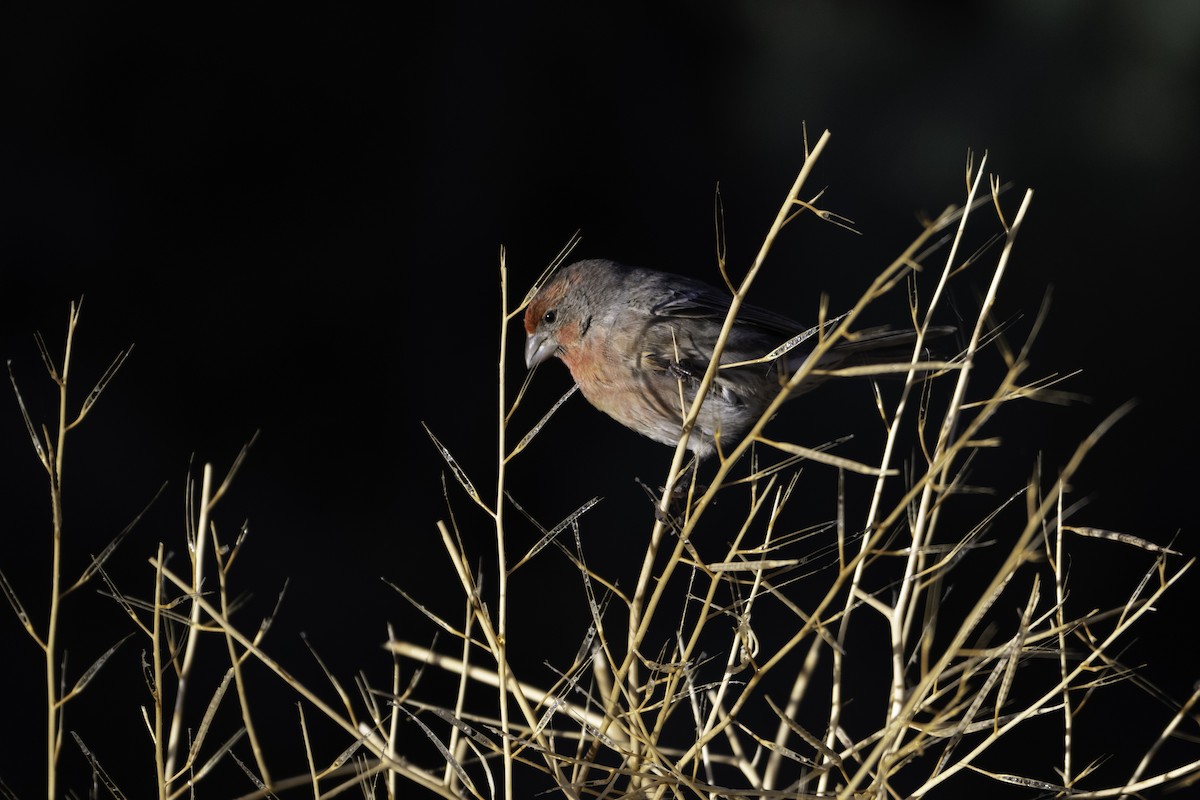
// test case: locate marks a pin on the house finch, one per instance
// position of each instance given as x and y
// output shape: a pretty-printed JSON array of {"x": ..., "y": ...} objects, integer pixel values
[{"x": 638, "y": 342}]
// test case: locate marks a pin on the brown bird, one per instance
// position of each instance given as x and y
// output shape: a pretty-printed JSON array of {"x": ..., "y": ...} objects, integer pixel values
[{"x": 632, "y": 337}]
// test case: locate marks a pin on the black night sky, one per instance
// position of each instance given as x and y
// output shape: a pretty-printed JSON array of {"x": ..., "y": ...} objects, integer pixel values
[{"x": 295, "y": 217}]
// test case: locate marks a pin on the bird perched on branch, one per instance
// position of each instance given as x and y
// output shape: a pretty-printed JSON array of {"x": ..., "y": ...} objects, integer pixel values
[{"x": 638, "y": 342}]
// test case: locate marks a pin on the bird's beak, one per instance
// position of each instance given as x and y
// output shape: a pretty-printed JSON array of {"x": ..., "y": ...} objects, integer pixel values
[{"x": 539, "y": 346}]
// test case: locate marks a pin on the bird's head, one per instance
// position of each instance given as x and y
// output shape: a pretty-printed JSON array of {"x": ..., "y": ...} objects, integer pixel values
[{"x": 556, "y": 317}]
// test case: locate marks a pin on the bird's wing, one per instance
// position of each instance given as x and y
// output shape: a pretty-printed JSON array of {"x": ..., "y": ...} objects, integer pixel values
[{"x": 699, "y": 301}]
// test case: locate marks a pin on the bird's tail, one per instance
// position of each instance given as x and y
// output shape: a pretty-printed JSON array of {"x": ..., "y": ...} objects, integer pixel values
[{"x": 872, "y": 348}]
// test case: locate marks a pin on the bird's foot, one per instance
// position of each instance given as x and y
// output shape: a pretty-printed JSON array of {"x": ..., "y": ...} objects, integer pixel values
[{"x": 676, "y": 500}]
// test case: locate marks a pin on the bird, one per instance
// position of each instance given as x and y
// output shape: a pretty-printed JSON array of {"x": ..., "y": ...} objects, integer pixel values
[{"x": 638, "y": 342}]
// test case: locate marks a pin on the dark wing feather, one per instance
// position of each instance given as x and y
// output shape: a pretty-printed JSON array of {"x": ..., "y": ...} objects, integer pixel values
[{"x": 693, "y": 300}]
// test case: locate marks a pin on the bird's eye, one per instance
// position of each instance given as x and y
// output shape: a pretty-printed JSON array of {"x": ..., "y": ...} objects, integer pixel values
[{"x": 550, "y": 316}]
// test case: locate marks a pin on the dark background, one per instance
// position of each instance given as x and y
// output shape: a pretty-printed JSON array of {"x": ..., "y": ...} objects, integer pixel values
[{"x": 296, "y": 215}]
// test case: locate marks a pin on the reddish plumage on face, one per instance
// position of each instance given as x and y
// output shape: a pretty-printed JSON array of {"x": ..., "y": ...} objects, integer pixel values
[
  {"x": 558, "y": 316},
  {"x": 638, "y": 341},
  {"x": 542, "y": 302}
]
